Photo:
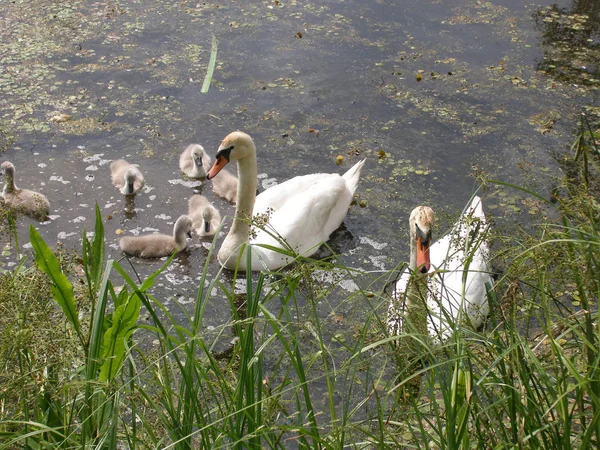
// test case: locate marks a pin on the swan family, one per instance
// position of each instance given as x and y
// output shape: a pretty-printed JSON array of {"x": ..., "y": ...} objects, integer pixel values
[{"x": 292, "y": 219}]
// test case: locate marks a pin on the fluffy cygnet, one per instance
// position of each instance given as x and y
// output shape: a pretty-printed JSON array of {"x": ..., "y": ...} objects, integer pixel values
[
  {"x": 28, "y": 202},
  {"x": 159, "y": 245},
  {"x": 205, "y": 216},
  {"x": 194, "y": 161},
  {"x": 126, "y": 177},
  {"x": 225, "y": 185}
]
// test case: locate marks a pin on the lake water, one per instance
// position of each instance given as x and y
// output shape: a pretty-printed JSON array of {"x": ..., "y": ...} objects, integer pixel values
[{"x": 431, "y": 93}]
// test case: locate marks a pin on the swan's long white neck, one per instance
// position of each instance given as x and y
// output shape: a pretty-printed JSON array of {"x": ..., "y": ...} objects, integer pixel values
[
  {"x": 246, "y": 195},
  {"x": 9, "y": 181},
  {"x": 180, "y": 230},
  {"x": 412, "y": 263}
]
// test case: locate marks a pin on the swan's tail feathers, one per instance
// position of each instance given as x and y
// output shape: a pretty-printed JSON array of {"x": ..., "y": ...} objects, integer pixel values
[
  {"x": 476, "y": 208},
  {"x": 352, "y": 176}
]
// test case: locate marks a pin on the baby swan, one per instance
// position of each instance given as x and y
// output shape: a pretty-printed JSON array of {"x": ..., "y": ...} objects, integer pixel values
[
  {"x": 159, "y": 245},
  {"x": 126, "y": 177},
  {"x": 205, "y": 216},
  {"x": 194, "y": 161},
  {"x": 226, "y": 186},
  {"x": 28, "y": 202}
]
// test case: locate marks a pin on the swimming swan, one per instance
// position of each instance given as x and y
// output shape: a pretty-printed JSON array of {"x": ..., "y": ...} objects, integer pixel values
[
  {"x": 158, "y": 245},
  {"x": 126, "y": 177},
  {"x": 28, "y": 202},
  {"x": 302, "y": 212},
  {"x": 194, "y": 161},
  {"x": 206, "y": 218},
  {"x": 461, "y": 253}
]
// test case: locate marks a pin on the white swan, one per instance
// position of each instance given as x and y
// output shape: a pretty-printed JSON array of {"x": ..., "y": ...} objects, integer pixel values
[
  {"x": 194, "y": 161},
  {"x": 206, "y": 218},
  {"x": 126, "y": 177},
  {"x": 28, "y": 202},
  {"x": 302, "y": 212},
  {"x": 158, "y": 245},
  {"x": 457, "y": 267}
]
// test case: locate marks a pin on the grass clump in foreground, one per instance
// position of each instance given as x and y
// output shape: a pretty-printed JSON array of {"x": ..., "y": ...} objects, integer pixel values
[{"x": 306, "y": 372}]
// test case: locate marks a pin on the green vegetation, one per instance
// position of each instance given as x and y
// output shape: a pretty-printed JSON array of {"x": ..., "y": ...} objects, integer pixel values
[{"x": 80, "y": 368}]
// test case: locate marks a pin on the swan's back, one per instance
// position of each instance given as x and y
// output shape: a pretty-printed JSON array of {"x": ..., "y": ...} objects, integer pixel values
[
  {"x": 30, "y": 203},
  {"x": 276, "y": 196},
  {"x": 460, "y": 262},
  {"x": 468, "y": 235},
  {"x": 306, "y": 209}
]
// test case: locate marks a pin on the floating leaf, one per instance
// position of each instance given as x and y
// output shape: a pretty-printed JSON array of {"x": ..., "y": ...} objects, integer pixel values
[{"x": 60, "y": 117}]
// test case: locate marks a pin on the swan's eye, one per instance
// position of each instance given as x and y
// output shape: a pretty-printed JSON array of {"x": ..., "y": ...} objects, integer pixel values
[
  {"x": 425, "y": 237},
  {"x": 225, "y": 153}
]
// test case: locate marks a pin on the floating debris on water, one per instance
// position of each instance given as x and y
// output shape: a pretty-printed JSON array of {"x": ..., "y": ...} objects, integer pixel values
[{"x": 376, "y": 245}]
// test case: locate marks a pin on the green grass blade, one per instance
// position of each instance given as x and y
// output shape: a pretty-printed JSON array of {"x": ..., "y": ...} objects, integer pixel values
[
  {"x": 97, "y": 248},
  {"x": 124, "y": 321},
  {"x": 211, "y": 66},
  {"x": 62, "y": 289}
]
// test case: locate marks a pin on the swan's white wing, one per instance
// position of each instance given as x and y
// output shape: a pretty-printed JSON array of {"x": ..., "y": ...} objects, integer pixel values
[
  {"x": 276, "y": 196},
  {"x": 459, "y": 278},
  {"x": 301, "y": 219}
]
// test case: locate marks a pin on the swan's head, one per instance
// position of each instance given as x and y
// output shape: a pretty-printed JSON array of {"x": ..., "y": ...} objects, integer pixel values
[
  {"x": 183, "y": 226},
  {"x": 130, "y": 177},
  {"x": 235, "y": 146},
  {"x": 208, "y": 214},
  {"x": 421, "y": 222},
  {"x": 8, "y": 169},
  {"x": 197, "y": 154}
]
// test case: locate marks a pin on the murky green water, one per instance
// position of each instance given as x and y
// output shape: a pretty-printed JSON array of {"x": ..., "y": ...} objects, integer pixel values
[{"x": 430, "y": 92}]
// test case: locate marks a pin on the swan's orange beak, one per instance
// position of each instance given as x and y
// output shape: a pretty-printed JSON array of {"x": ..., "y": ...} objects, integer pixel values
[
  {"x": 221, "y": 159},
  {"x": 219, "y": 163},
  {"x": 423, "y": 262}
]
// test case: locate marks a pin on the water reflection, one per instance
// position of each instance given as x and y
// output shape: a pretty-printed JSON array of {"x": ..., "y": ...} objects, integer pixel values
[
  {"x": 571, "y": 38},
  {"x": 129, "y": 210}
]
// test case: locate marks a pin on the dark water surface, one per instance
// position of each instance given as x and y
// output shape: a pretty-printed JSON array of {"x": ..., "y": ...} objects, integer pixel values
[{"x": 490, "y": 100}]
